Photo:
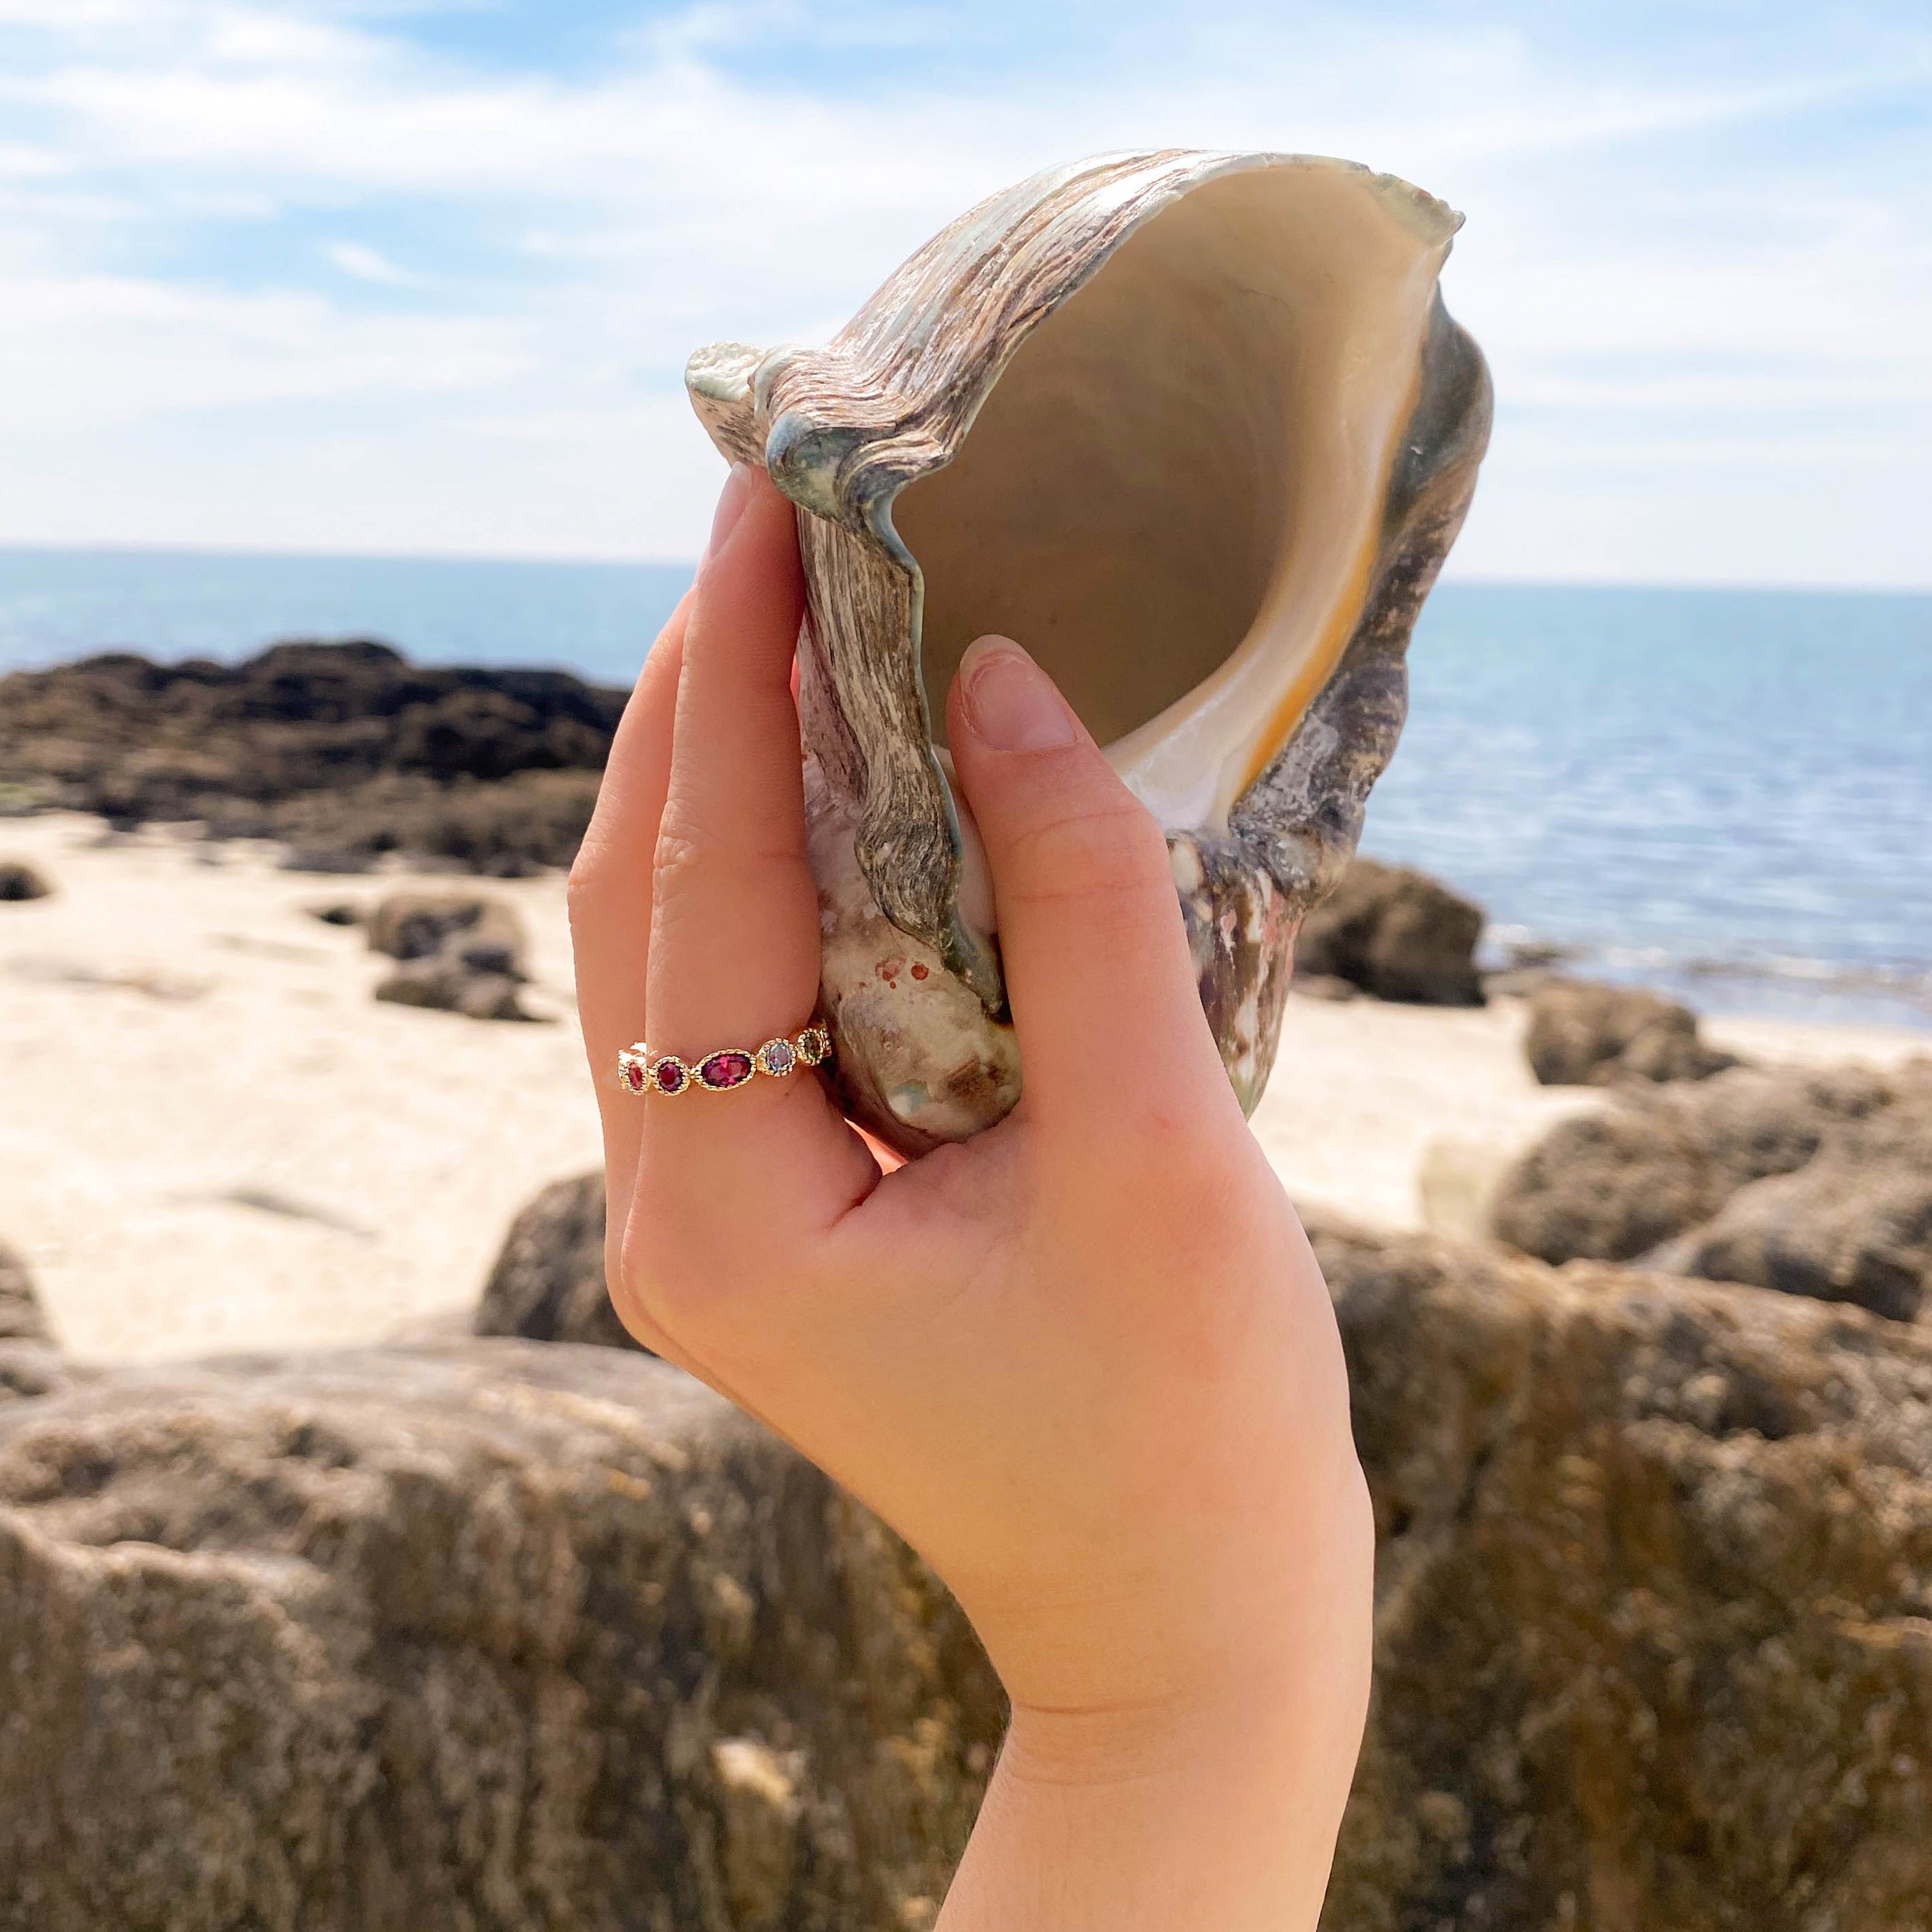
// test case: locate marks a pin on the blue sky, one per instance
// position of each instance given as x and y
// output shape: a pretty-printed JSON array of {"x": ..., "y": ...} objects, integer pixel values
[{"x": 420, "y": 275}]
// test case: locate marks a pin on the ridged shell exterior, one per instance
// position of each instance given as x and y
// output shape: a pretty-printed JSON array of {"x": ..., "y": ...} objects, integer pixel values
[{"x": 912, "y": 991}]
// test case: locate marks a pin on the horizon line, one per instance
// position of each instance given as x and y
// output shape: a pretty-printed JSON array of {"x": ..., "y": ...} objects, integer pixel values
[{"x": 1451, "y": 578}]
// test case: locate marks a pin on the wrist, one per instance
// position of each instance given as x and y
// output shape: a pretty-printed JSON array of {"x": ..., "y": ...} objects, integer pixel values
[
  {"x": 1220, "y": 1815},
  {"x": 1142, "y": 1668}
]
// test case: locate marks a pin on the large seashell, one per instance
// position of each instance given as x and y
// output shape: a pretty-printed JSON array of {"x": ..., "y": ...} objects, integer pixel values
[{"x": 1195, "y": 429}]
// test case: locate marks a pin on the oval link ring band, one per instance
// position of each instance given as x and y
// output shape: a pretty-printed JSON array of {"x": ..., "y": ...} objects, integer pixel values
[{"x": 640, "y": 1071}]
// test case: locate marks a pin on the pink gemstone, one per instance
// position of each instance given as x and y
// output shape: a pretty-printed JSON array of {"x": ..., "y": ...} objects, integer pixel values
[
  {"x": 722, "y": 1070},
  {"x": 634, "y": 1076},
  {"x": 669, "y": 1075}
]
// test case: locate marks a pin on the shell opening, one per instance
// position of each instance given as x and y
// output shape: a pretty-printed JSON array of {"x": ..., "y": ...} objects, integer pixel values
[{"x": 1171, "y": 494}]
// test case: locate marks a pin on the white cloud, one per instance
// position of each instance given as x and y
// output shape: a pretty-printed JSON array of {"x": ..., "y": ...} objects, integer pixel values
[
  {"x": 90, "y": 350},
  {"x": 371, "y": 265},
  {"x": 569, "y": 241}
]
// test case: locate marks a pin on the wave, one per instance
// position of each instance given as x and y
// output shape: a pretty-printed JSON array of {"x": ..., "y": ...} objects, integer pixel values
[{"x": 1508, "y": 948}]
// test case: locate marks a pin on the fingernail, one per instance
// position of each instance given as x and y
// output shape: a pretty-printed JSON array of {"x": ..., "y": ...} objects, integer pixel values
[
  {"x": 1010, "y": 702},
  {"x": 732, "y": 501}
]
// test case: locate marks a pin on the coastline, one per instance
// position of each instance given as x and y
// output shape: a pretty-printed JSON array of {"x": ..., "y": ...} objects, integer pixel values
[{"x": 213, "y": 1138}]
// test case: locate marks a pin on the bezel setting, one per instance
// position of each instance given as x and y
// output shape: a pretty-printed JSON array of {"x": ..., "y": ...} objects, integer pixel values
[{"x": 641, "y": 1071}]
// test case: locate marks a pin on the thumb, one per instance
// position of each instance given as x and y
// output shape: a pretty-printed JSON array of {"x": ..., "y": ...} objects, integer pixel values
[{"x": 1103, "y": 994}]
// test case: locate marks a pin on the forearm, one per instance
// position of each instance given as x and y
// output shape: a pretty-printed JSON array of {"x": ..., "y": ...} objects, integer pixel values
[
  {"x": 1218, "y": 1814},
  {"x": 1234, "y": 1836}
]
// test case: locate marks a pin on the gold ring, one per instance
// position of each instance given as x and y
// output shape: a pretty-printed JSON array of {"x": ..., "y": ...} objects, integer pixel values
[{"x": 640, "y": 1071}]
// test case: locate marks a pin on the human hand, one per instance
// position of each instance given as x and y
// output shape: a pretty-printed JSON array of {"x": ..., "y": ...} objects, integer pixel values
[{"x": 1084, "y": 1362}]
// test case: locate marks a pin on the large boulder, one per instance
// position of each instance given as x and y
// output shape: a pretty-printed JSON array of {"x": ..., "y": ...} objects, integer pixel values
[
  {"x": 1839, "y": 1229},
  {"x": 120, "y": 735},
  {"x": 1396, "y": 933},
  {"x": 1654, "y": 1565},
  {"x": 1583, "y": 1032},
  {"x": 496, "y": 1635},
  {"x": 1751, "y": 1122},
  {"x": 548, "y": 1282},
  {"x": 1810, "y": 1182},
  {"x": 502, "y": 1634}
]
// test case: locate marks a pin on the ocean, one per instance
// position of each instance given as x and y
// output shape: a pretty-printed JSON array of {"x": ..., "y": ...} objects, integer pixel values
[{"x": 1723, "y": 794}]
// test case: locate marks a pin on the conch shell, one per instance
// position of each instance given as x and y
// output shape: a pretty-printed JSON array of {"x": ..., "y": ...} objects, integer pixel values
[{"x": 1196, "y": 430}]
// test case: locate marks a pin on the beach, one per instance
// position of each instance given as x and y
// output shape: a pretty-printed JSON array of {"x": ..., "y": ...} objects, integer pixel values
[{"x": 213, "y": 1138}]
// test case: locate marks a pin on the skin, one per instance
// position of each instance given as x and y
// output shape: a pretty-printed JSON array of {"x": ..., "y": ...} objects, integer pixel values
[{"x": 1084, "y": 1364}]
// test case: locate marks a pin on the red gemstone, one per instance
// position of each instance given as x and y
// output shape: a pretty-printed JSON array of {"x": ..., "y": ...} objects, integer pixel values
[
  {"x": 726, "y": 1069},
  {"x": 669, "y": 1075},
  {"x": 634, "y": 1076}
]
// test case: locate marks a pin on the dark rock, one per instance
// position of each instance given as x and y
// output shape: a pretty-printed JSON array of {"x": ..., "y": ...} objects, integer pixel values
[
  {"x": 509, "y": 828},
  {"x": 1582, "y": 1033},
  {"x": 1810, "y": 1182},
  {"x": 485, "y": 934},
  {"x": 1322, "y": 986},
  {"x": 1654, "y": 1565},
  {"x": 1607, "y": 1186},
  {"x": 449, "y": 986},
  {"x": 458, "y": 953},
  {"x": 1835, "y": 1230},
  {"x": 1752, "y": 1122},
  {"x": 498, "y": 1635},
  {"x": 340, "y": 913},
  {"x": 1854, "y": 1223},
  {"x": 548, "y": 1281},
  {"x": 334, "y": 861},
  {"x": 21, "y": 1319},
  {"x": 1397, "y": 934},
  {"x": 19, "y": 881},
  {"x": 342, "y": 750}
]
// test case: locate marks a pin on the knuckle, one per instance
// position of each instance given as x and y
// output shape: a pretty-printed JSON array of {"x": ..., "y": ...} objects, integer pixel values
[
  {"x": 678, "y": 849},
  {"x": 584, "y": 887},
  {"x": 688, "y": 849}
]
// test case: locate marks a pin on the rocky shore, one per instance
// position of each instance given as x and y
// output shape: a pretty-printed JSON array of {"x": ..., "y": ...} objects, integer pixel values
[
  {"x": 345, "y": 751},
  {"x": 357, "y": 1572},
  {"x": 503, "y": 1633}
]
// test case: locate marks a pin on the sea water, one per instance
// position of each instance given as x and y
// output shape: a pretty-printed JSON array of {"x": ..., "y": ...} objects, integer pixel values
[{"x": 1726, "y": 794}]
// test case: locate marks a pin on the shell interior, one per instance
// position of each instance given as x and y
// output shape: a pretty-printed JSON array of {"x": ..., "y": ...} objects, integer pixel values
[{"x": 1172, "y": 495}]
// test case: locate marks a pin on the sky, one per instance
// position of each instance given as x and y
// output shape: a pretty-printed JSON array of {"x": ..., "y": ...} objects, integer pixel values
[{"x": 420, "y": 276}]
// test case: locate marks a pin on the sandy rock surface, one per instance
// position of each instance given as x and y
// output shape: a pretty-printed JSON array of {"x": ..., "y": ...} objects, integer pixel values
[
  {"x": 506, "y": 1633},
  {"x": 500, "y": 1635},
  {"x": 1654, "y": 1603}
]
